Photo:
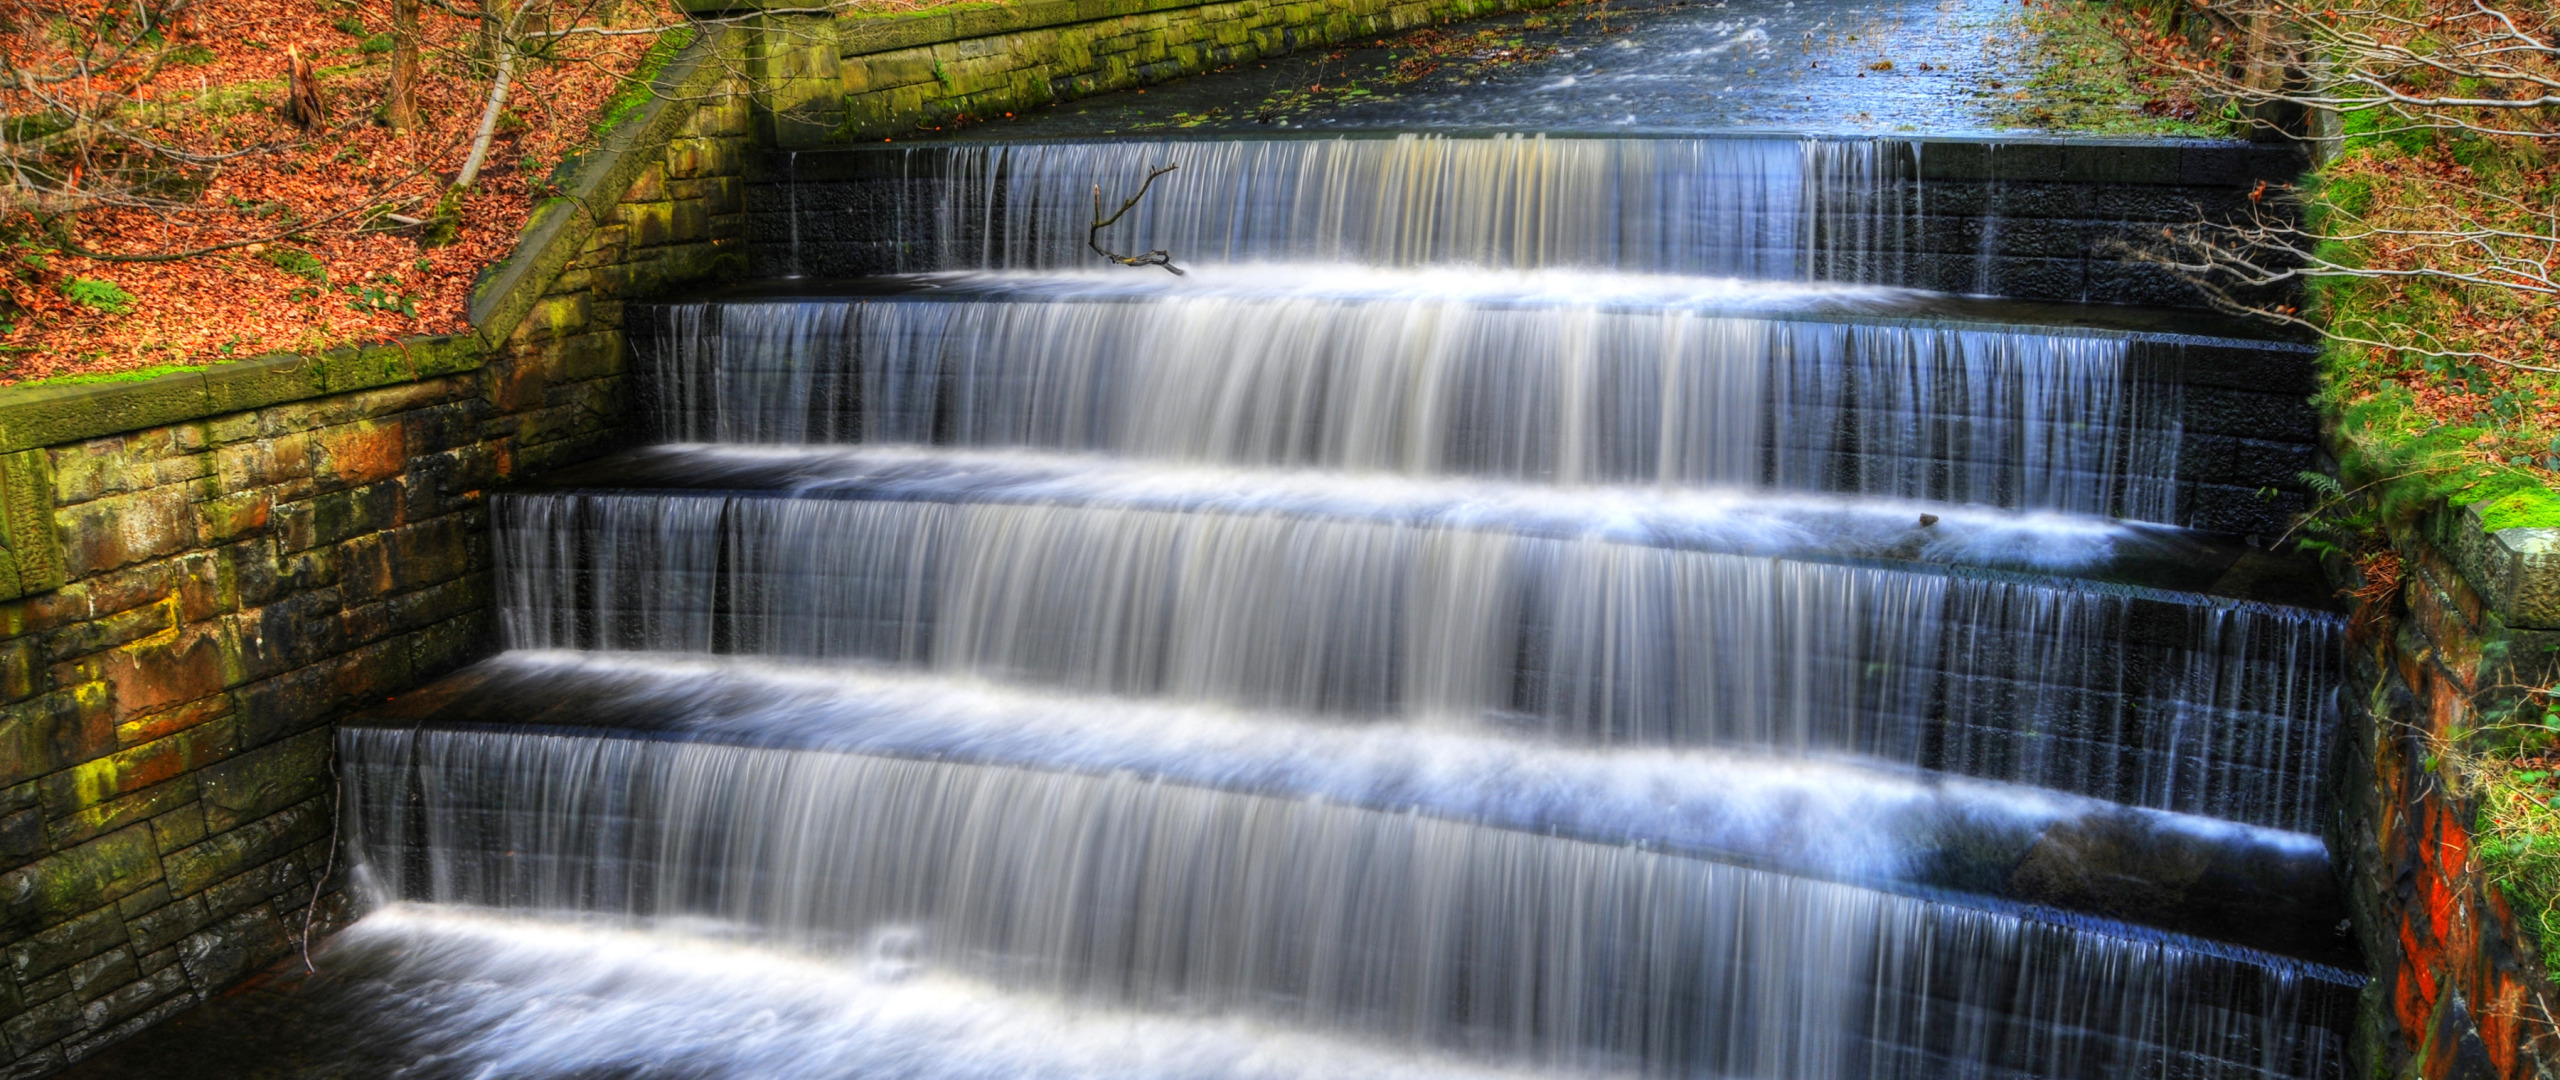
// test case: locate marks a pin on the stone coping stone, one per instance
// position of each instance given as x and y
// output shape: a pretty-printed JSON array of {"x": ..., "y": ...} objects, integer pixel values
[
  {"x": 2516, "y": 571},
  {"x": 54, "y": 413}
]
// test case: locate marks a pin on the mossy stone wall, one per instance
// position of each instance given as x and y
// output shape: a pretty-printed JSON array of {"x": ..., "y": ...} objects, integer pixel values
[
  {"x": 205, "y": 569},
  {"x": 900, "y": 71},
  {"x": 2457, "y": 990}
]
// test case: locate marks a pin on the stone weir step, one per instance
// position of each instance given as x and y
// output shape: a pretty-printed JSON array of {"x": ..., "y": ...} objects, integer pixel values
[
  {"x": 1858, "y": 823},
  {"x": 1127, "y": 889},
  {"x": 2034, "y": 219},
  {"x": 1549, "y": 376},
  {"x": 2067, "y": 653}
]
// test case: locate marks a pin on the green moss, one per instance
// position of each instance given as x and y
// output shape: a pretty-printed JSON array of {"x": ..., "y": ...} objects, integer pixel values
[
  {"x": 2413, "y": 467},
  {"x": 136, "y": 375},
  {"x": 637, "y": 87},
  {"x": 2508, "y": 770}
]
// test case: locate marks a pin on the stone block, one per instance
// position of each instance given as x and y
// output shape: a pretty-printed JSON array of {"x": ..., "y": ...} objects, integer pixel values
[
  {"x": 649, "y": 186},
  {"x": 231, "y": 516},
  {"x": 129, "y": 1008},
  {"x": 560, "y": 316},
  {"x": 286, "y": 704},
  {"x": 156, "y": 930},
  {"x": 146, "y": 728},
  {"x": 295, "y": 631},
  {"x": 225, "y": 953},
  {"x": 359, "y": 453},
  {"x": 122, "y": 530},
  {"x": 21, "y": 836},
  {"x": 282, "y": 880},
  {"x": 341, "y": 514},
  {"x": 42, "y": 1025},
  {"x": 274, "y": 458},
  {"x": 72, "y": 826},
  {"x": 263, "y": 781},
  {"x": 124, "y": 772},
  {"x": 93, "y": 977},
  {"x": 223, "y": 855},
  {"x": 444, "y": 483},
  {"x": 51, "y": 890},
  {"x": 182, "y": 664},
  {"x": 178, "y": 828},
  {"x": 29, "y": 731},
  {"x": 436, "y": 604},
  {"x": 66, "y": 945}
]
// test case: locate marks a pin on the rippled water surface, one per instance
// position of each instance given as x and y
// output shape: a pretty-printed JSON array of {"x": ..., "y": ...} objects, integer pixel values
[{"x": 1817, "y": 66}]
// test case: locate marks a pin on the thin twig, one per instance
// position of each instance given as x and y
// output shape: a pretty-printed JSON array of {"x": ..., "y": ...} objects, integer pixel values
[{"x": 337, "y": 816}]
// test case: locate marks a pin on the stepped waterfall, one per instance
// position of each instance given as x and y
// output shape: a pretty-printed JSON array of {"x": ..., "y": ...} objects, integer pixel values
[{"x": 1516, "y": 606}]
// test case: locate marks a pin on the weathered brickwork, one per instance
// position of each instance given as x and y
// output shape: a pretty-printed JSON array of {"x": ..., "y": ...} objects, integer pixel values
[
  {"x": 233, "y": 581},
  {"x": 901, "y": 71},
  {"x": 2457, "y": 990}
]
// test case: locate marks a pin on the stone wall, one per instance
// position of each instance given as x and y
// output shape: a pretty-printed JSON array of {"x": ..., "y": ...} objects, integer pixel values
[
  {"x": 210, "y": 567},
  {"x": 986, "y": 59},
  {"x": 2048, "y": 218},
  {"x": 2457, "y": 991}
]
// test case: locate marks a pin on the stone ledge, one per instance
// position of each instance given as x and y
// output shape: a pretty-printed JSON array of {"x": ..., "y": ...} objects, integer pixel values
[
  {"x": 52, "y": 414},
  {"x": 865, "y": 35},
  {"x": 2515, "y": 571}
]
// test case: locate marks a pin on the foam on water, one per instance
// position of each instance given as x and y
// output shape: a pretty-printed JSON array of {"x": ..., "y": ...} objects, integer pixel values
[
  {"x": 1428, "y": 934},
  {"x": 473, "y": 993},
  {"x": 1736, "y": 520},
  {"x": 1839, "y": 819}
]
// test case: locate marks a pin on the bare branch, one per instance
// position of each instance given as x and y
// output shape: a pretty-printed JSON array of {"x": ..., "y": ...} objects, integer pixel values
[{"x": 1093, "y": 238}]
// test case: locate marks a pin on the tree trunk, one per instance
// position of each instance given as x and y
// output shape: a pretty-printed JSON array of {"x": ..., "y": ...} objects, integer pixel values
[
  {"x": 303, "y": 103},
  {"x": 401, "y": 111},
  {"x": 492, "y": 12},
  {"x": 488, "y": 120}
]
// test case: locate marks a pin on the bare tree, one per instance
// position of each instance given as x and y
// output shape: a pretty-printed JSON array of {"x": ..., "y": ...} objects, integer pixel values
[
  {"x": 2480, "y": 74},
  {"x": 400, "y": 106}
]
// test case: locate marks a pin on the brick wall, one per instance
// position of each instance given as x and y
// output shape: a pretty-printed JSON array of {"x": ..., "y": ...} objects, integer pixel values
[
  {"x": 2457, "y": 989},
  {"x": 241, "y": 554}
]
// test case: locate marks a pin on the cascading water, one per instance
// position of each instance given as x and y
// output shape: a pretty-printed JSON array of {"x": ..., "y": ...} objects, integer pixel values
[
  {"x": 1754, "y": 208},
  {"x": 1576, "y": 391},
  {"x": 1398, "y": 926},
  {"x": 1449, "y": 634},
  {"x": 1589, "y": 639}
]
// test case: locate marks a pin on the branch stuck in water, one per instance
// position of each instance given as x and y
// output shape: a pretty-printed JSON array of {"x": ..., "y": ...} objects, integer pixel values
[{"x": 1093, "y": 238}]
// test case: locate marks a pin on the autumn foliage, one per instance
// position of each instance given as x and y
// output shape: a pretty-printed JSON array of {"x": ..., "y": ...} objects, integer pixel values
[
  {"x": 173, "y": 195},
  {"x": 2428, "y": 240}
]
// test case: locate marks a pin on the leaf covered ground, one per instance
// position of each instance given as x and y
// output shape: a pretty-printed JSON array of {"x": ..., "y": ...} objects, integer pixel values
[{"x": 327, "y": 262}]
